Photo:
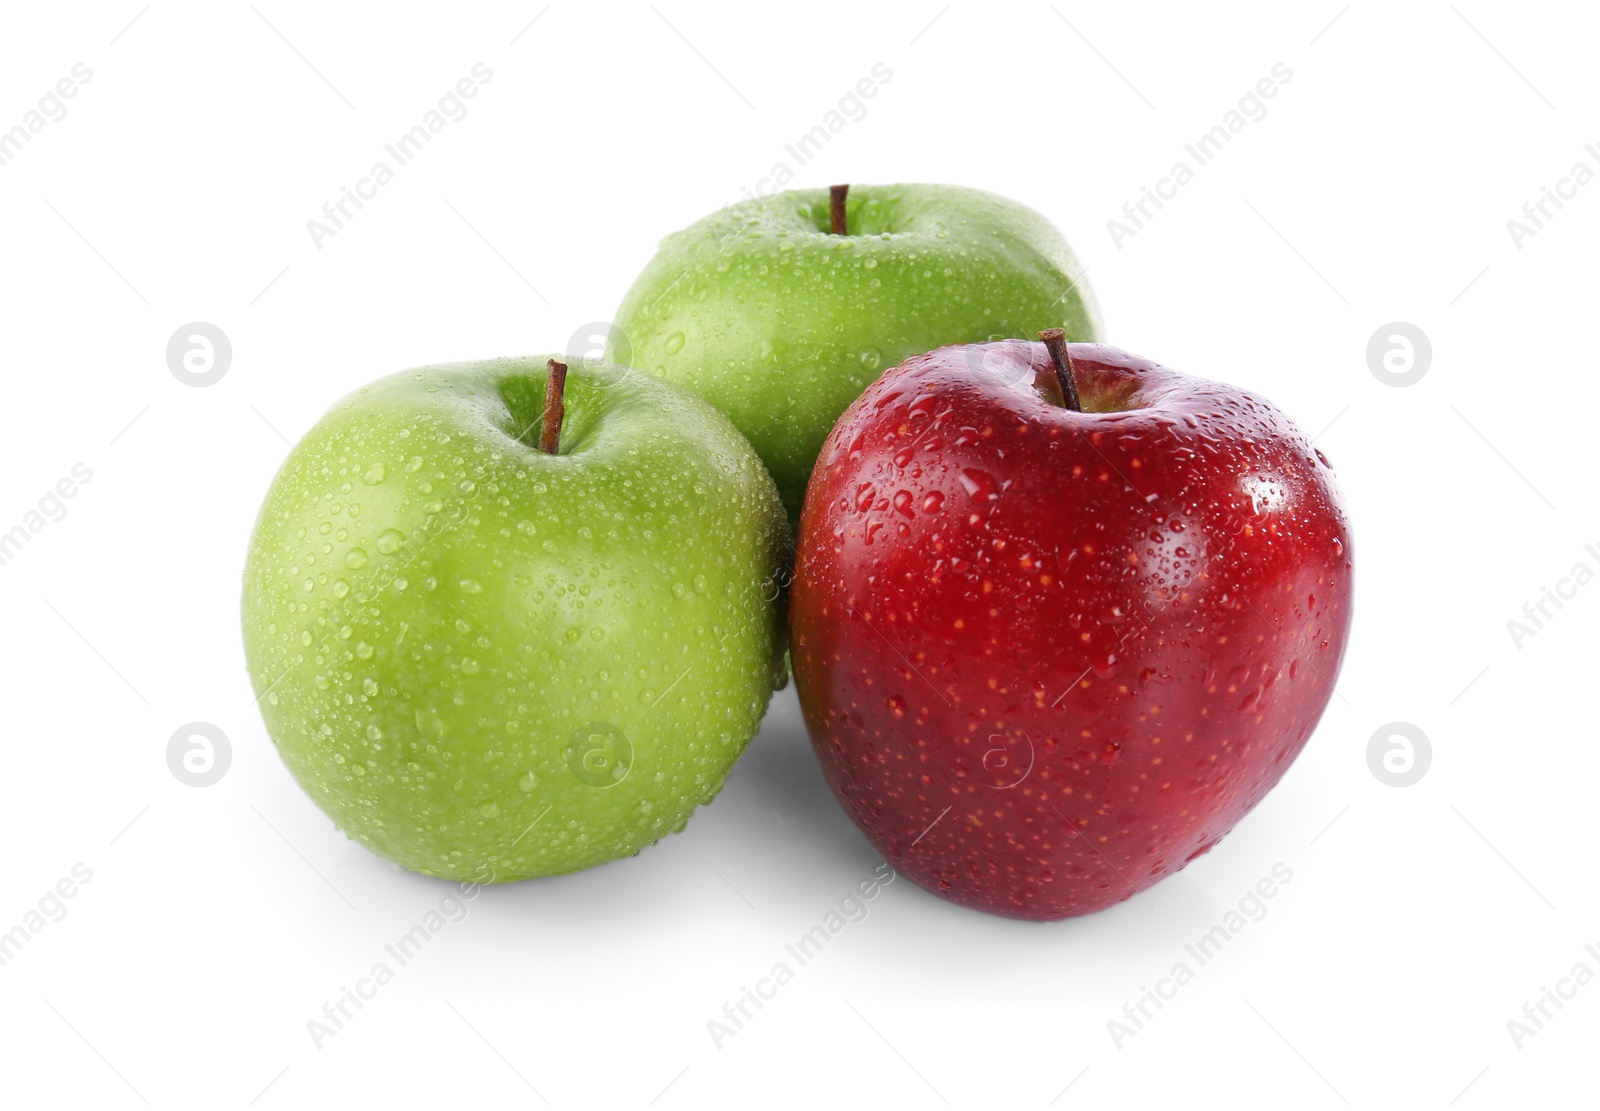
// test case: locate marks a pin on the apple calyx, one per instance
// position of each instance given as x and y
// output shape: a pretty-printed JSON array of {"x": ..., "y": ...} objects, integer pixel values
[
  {"x": 836, "y": 196},
  {"x": 1055, "y": 340},
  {"x": 555, "y": 408}
]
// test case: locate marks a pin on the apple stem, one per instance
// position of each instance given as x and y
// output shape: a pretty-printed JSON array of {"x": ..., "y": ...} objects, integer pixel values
[
  {"x": 836, "y": 196},
  {"x": 555, "y": 408},
  {"x": 1056, "y": 341}
]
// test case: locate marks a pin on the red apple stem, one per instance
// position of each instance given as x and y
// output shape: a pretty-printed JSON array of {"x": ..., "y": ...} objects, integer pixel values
[
  {"x": 555, "y": 408},
  {"x": 1056, "y": 341},
  {"x": 836, "y": 196}
]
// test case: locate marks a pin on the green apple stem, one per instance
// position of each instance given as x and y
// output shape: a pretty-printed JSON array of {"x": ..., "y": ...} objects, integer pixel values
[
  {"x": 1056, "y": 341},
  {"x": 555, "y": 408},
  {"x": 836, "y": 196}
]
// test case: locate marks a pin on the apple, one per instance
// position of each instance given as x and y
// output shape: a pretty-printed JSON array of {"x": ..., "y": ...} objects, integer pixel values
[
  {"x": 1046, "y": 656},
  {"x": 780, "y": 310},
  {"x": 487, "y": 659}
]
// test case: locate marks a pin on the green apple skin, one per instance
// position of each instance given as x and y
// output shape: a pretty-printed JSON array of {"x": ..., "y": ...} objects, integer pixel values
[
  {"x": 486, "y": 663},
  {"x": 781, "y": 324}
]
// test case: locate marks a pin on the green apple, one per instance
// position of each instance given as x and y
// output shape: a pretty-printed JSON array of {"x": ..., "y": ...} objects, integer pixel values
[
  {"x": 781, "y": 323},
  {"x": 487, "y": 662}
]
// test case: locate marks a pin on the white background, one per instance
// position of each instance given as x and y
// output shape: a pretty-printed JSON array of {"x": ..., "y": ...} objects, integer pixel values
[{"x": 219, "y": 920}]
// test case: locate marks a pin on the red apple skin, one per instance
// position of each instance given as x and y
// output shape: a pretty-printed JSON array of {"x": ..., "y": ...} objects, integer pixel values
[{"x": 1047, "y": 657}]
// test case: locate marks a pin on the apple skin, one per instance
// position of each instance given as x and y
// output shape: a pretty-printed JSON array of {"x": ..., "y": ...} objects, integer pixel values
[
  {"x": 780, "y": 324},
  {"x": 487, "y": 663},
  {"x": 1047, "y": 658}
]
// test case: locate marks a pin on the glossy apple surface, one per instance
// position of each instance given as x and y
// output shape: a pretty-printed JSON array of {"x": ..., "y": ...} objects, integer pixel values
[
  {"x": 1049, "y": 657},
  {"x": 485, "y": 662},
  {"x": 781, "y": 324}
]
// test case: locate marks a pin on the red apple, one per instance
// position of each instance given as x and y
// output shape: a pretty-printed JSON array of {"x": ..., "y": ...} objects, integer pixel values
[{"x": 1047, "y": 657}]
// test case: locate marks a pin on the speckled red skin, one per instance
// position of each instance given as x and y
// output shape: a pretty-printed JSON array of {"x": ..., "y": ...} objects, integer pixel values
[{"x": 1045, "y": 657}]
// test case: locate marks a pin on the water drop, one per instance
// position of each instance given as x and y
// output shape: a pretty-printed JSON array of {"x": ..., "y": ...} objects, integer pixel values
[{"x": 979, "y": 485}]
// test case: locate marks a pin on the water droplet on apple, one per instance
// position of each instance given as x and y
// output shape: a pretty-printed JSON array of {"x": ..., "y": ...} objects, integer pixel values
[
  {"x": 528, "y": 782},
  {"x": 674, "y": 343},
  {"x": 355, "y": 559},
  {"x": 390, "y": 540},
  {"x": 979, "y": 485},
  {"x": 872, "y": 358},
  {"x": 374, "y": 475},
  {"x": 489, "y": 809},
  {"x": 469, "y": 666},
  {"x": 471, "y": 586}
]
